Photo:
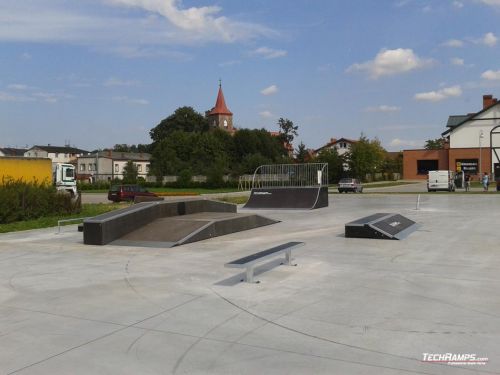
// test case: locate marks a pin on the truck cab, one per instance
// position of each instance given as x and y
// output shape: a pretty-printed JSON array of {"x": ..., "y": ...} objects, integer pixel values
[
  {"x": 441, "y": 180},
  {"x": 63, "y": 176}
]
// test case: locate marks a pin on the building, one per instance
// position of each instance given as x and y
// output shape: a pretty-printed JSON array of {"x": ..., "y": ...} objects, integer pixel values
[
  {"x": 9, "y": 151},
  {"x": 220, "y": 116},
  {"x": 472, "y": 145},
  {"x": 108, "y": 165},
  {"x": 57, "y": 154},
  {"x": 342, "y": 145}
]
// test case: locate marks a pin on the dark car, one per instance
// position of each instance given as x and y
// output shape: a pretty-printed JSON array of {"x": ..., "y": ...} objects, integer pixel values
[
  {"x": 119, "y": 193},
  {"x": 350, "y": 184}
]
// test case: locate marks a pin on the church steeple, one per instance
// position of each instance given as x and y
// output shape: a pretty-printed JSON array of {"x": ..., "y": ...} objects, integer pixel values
[
  {"x": 220, "y": 104},
  {"x": 220, "y": 116}
]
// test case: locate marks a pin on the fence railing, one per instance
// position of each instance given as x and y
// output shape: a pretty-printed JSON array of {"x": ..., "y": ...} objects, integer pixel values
[{"x": 291, "y": 175}]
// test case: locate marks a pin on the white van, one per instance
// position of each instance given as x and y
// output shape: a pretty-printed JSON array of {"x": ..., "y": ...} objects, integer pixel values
[{"x": 441, "y": 180}]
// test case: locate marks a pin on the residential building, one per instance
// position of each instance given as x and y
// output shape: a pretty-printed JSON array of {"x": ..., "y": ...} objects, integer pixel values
[
  {"x": 108, "y": 165},
  {"x": 342, "y": 145},
  {"x": 58, "y": 154},
  {"x": 472, "y": 145},
  {"x": 10, "y": 151}
]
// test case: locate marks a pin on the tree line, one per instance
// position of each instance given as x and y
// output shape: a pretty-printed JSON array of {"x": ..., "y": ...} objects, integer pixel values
[{"x": 183, "y": 144}]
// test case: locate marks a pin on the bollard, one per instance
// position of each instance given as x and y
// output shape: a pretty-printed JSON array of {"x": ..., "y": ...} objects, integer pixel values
[{"x": 417, "y": 207}]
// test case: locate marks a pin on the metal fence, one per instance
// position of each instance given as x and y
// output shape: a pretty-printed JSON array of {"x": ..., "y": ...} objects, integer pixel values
[{"x": 291, "y": 175}]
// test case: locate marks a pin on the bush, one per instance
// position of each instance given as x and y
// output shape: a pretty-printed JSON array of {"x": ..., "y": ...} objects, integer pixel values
[{"x": 24, "y": 201}]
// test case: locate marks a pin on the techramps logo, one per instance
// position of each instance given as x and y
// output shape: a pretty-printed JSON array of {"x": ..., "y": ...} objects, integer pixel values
[{"x": 455, "y": 358}]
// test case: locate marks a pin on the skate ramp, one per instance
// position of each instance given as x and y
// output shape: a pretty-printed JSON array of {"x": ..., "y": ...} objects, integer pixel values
[{"x": 168, "y": 224}]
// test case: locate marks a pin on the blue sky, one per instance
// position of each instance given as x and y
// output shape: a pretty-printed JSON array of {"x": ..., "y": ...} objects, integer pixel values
[{"x": 101, "y": 72}]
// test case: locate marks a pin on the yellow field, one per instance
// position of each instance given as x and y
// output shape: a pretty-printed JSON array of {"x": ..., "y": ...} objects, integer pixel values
[{"x": 26, "y": 169}]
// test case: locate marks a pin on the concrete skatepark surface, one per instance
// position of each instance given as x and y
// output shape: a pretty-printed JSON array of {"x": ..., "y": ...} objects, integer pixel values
[{"x": 351, "y": 306}]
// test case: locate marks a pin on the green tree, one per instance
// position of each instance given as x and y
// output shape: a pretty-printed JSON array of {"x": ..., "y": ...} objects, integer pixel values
[
  {"x": 366, "y": 156},
  {"x": 335, "y": 164},
  {"x": 287, "y": 130},
  {"x": 184, "y": 119},
  {"x": 130, "y": 173},
  {"x": 434, "y": 144},
  {"x": 301, "y": 154}
]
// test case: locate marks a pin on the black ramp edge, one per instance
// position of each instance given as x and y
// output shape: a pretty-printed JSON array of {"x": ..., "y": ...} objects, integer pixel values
[
  {"x": 234, "y": 224},
  {"x": 288, "y": 198},
  {"x": 380, "y": 226}
]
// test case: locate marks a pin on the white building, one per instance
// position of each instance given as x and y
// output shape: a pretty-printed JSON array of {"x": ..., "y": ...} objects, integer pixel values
[
  {"x": 57, "y": 154},
  {"x": 108, "y": 165},
  {"x": 342, "y": 145}
]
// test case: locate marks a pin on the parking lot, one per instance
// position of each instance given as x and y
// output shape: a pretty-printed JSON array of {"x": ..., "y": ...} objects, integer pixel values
[{"x": 351, "y": 306}]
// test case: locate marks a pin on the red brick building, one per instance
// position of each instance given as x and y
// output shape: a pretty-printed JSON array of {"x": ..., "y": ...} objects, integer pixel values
[{"x": 472, "y": 145}]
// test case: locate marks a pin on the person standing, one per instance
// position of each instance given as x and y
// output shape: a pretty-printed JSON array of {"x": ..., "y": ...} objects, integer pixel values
[
  {"x": 486, "y": 181},
  {"x": 467, "y": 182}
]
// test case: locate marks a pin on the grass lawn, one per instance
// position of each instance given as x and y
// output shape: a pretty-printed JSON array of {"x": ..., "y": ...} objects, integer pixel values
[
  {"x": 176, "y": 190},
  {"x": 240, "y": 199},
  {"x": 88, "y": 210}
]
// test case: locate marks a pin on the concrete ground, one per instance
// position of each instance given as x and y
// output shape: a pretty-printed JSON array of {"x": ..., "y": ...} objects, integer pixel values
[{"x": 351, "y": 306}]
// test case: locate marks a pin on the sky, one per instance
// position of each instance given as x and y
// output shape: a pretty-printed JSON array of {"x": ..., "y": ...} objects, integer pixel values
[{"x": 96, "y": 73}]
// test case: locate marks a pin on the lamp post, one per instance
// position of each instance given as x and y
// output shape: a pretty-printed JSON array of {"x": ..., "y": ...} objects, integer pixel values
[{"x": 481, "y": 136}]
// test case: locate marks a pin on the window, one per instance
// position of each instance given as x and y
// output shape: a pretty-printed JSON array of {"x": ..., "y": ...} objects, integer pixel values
[
  {"x": 94, "y": 167},
  {"x": 424, "y": 166},
  {"x": 147, "y": 168},
  {"x": 82, "y": 167},
  {"x": 139, "y": 168},
  {"x": 117, "y": 168},
  {"x": 90, "y": 166},
  {"x": 56, "y": 155}
]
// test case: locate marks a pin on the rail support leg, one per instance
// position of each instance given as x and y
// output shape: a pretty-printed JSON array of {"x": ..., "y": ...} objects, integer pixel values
[
  {"x": 288, "y": 257},
  {"x": 249, "y": 275}
]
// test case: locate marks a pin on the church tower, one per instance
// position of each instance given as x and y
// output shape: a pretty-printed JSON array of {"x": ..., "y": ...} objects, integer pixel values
[{"x": 220, "y": 116}]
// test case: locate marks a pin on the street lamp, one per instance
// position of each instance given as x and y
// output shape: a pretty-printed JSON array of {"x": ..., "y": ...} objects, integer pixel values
[{"x": 481, "y": 136}]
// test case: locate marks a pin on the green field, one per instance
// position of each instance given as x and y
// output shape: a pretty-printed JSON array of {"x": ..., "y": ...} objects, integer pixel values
[
  {"x": 88, "y": 210},
  {"x": 176, "y": 190}
]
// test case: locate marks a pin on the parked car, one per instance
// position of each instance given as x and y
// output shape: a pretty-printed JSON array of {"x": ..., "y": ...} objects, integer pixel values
[
  {"x": 119, "y": 193},
  {"x": 350, "y": 184}
]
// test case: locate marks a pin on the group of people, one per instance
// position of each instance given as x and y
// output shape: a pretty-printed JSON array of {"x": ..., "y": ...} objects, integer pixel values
[{"x": 485, "y": 181}]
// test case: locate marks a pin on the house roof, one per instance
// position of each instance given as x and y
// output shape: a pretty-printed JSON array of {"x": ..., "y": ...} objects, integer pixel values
[
  {"x": 454, "y": 120},
  {"x": 116, "y": 155},
  {"x": 465, "y": 118},
  {"x": 220, "y": 105},
  {"x": 334, "y": 141},
  {"x": 60, "y": 149},
  {"x": 10, "y": 151}
]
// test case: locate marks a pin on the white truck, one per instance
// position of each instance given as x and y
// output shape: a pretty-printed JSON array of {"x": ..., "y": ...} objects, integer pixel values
[
  {"x": 40, "y": 170},
  {"x": 441, "y": 180}
]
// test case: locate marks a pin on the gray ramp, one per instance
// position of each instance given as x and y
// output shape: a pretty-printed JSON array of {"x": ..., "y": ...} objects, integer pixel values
[{"x": 178, "y": 230}]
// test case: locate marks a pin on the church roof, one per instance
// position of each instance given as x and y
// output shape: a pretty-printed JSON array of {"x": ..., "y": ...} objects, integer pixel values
[{"x": 220, "y": 105}]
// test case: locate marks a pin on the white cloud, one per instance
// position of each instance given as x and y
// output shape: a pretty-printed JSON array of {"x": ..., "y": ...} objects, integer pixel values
[
  {"x": 229, "y": 63},
  {"x": 266, "y": 114},
  {"x": 271, "y": 90},
  {"x": 269, "y": 53},
  {"x": 113, "y": 81},
  {"x": 457, "y": 61},
  {"x": 454, "y": 43},
  {"x": 17, "y": 86},
  {"x": 494, "y": 3},
  {"x": 382, "y": 108},
  {"x": 9, "y": 97},
  {"x": 489, "y": 39},
  {"x": 391, "y": 62},
  {"x": 396, "y": 142},
  {"x": 491, "y": 75},
  {"x": 25, "y": 56},
  {"x": 442, "y": 94},
  {"x": 158, "y": 22},
  {"x": 458, "y": 4},
  {"x": 127, "y": 100}
]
